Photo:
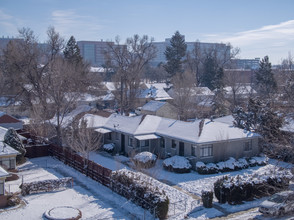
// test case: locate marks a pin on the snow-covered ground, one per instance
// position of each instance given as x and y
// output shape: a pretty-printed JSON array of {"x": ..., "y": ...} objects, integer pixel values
[
  {"x": 191, "y": 183},
  {"x": 94, "y": 200},
  {"x": 98, "y": 202}
]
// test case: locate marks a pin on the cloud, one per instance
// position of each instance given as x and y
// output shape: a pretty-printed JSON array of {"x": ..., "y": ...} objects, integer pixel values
[
  {"x": 273, "y": 40},
  {"x": 8, "y": 23},
  {"x": 280, "y": 32},
  {"x": 68, "y": 23}
]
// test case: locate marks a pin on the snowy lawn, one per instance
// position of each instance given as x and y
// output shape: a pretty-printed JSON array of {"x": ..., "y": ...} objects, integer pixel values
[
  {"x": 192, "y": 183},
  {"x": 94, "y": 200}
]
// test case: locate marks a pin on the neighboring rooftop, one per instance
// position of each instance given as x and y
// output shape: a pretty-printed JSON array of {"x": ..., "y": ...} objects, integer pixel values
[
  {"x": 153, "y": 106},
  {"x": 6, "y": 150},
  {"x": 3, "y": 173}
]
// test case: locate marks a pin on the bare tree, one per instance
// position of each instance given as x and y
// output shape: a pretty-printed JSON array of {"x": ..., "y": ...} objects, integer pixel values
[
  {"x": 42, "y": 79},
  {"x": 129, "y": 61},
  {"x": 83, "y": 139},
  {"x": 183, "y": 87}
]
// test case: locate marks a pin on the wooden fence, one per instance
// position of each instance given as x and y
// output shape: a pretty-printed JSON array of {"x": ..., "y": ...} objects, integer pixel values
[{"x": 87, "y": 167}]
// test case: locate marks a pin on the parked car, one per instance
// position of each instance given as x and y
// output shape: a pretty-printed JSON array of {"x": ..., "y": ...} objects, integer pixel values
[{"x": 278, "y": 204}]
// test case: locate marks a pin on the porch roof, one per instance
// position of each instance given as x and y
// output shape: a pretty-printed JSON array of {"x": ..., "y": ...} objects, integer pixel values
[{"x": 147, "y": 137}]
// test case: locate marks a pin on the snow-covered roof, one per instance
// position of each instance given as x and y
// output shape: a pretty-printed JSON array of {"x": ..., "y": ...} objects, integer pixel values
[
  {"x": 212, "y": 131},
  {"x": 240, "y": 90},
  {"x": 68, "y": 118},
  {"x": 204, "y": 91},
  {"x": 153, "y": 106},
  {"x": 158, "y": 85},
  {"x": 97, "y": 69},
  {"x": 289, "y": 125},
  {"x": 6, "y": 150},
  {"x": 3, "y": 132},
  {"x": 110, "y": 86},
  {"x": 153, "y": 92},
  {"x": 108, "y": 97},
  {"x": 228, "y": 119},
  {"x": 88, "y": 97},
  {"x": 3, "y": 173}
]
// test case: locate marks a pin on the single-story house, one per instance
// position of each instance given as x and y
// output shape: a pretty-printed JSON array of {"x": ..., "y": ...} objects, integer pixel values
[
  {"x": 7, "y": 156},
  {"x": 8, "y": 121},
  {"x": 158, "y": 108},
  {"x": 201, "y": 140}
]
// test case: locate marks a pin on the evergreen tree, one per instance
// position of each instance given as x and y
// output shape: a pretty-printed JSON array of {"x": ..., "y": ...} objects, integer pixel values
[
  {"x": 266, "y": 83},
  {"x": 260, "y": 118},
  {"x": 11, "y": 138},
  {"x": 175, "y": 54},
  {"x": 213, "y": 75},
  {"x": 72, "y": 51}
]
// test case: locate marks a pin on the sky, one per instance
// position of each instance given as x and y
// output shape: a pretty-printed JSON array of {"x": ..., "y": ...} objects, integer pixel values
[{"x": 257, "y": 27}]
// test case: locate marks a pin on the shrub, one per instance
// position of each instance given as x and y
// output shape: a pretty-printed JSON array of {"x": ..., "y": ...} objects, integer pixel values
[
  {"x": 13, "y": 200},
  {"x": 207, "y": 197},
  {"x": 230, "y": 165},
  {"x": 109, "y": 148},
  {"x": 236, "y": 189},
  {"x": 209, "y": 168},
  {"x": 145, "y": 160},
  {"x": 142, "y": 190},
  {"x": 177, "y": 164},
  {"x": 12, "y": 139}
]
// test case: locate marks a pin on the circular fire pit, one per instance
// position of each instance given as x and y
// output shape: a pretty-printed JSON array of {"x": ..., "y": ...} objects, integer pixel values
[{"x": 63, "y": 213}]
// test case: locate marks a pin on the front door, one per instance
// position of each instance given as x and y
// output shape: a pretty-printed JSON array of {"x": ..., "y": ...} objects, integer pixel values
[
  {"x": 122, "y": 143},
  {"x": 182, "y": 149}
]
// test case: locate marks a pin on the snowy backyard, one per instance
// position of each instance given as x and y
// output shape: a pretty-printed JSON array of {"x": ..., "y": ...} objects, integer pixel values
[{"x": 98, "y": 202}]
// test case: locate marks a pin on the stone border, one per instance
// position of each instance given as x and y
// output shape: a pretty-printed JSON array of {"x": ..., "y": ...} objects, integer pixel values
[{"x": 48, "y": 216}]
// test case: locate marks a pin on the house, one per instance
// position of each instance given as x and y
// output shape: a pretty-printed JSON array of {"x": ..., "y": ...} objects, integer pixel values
[
  {"x": 8, "y": 121},
  {"x": 240, "y": 91},
  {"x": 158, "y": 108},
  {"x": 147, "y": 93},
  {"x": 7, "y": 156},
  {"x": 3, "y": 175},
  {"x": 201, "y": 140}
]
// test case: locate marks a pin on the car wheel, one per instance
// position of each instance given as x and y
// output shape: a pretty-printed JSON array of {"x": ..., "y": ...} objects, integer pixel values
[{"x": 281, "y": 211}]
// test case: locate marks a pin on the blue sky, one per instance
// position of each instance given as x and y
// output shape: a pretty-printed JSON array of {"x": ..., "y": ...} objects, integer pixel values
[{"x": 258, "y": 28}]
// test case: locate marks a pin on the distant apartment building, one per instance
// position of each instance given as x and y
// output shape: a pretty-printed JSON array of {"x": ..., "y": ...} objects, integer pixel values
[
  {"x": 220, "y": 48},
  {"x": 93, "y": 51},
  {"x": 252, "y": 64}
]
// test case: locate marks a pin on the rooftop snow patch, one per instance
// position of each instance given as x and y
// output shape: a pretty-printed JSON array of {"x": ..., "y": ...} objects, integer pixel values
[
  {"x": 6, "y": 150},
  {"x": 153, "y": 106}
]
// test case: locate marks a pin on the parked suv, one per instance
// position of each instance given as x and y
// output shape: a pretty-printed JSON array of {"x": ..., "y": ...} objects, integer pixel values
[{"x": 278, "y": 204}]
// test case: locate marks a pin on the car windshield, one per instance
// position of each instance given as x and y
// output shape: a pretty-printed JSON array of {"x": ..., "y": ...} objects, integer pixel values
[{"x": 277, "y": 198}]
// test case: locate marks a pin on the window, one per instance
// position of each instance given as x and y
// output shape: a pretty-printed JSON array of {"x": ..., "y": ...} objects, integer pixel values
[
  {"x": 162, "y": 142},
  {"x": 174, "y": 145},
  {"x": 206, "y": 150},
  {"x": 248, "y": 145},
  {"x": 116, "y": 135},
  {"x": 146, "y": 143},
  {"x": 130, "y": 143},
  {"x": 193, "y": 150},
  {"x": 1, "y": 187},
  {"x": 109, "y": 136},
  {"x": 138, "y": 143}
]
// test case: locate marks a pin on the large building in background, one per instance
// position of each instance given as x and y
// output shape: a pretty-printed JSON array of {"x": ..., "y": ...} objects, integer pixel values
[
  {"x": 93, "y": 51},
  {"x": 252, "y": 64},
  {"x": 221, "y": 49}
]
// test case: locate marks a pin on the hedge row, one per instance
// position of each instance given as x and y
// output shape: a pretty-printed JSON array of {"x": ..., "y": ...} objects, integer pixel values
[
  {"x": 141, "y": 190},
  {"x": 236, "y": 189},
  {"x": 230, "y": 165}
]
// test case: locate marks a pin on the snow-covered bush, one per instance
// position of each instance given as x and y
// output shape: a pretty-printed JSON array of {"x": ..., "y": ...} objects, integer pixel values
[
  {"x": 13, "y": 200},
  {"x": 109, "y": 148},
  {"x": 230, "y": 165},
  {"x": 209, "y": 168},
  {"x": 207, "y": 197},
  {"x": 12, "y": 139},
  {"x": 45, "y": 185},
  {"x": 144, "y": 159},
  {"x": 236, "y": 189},
  {"x": 140, "y": 189},
  {"x": 177, "y": 164}
]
